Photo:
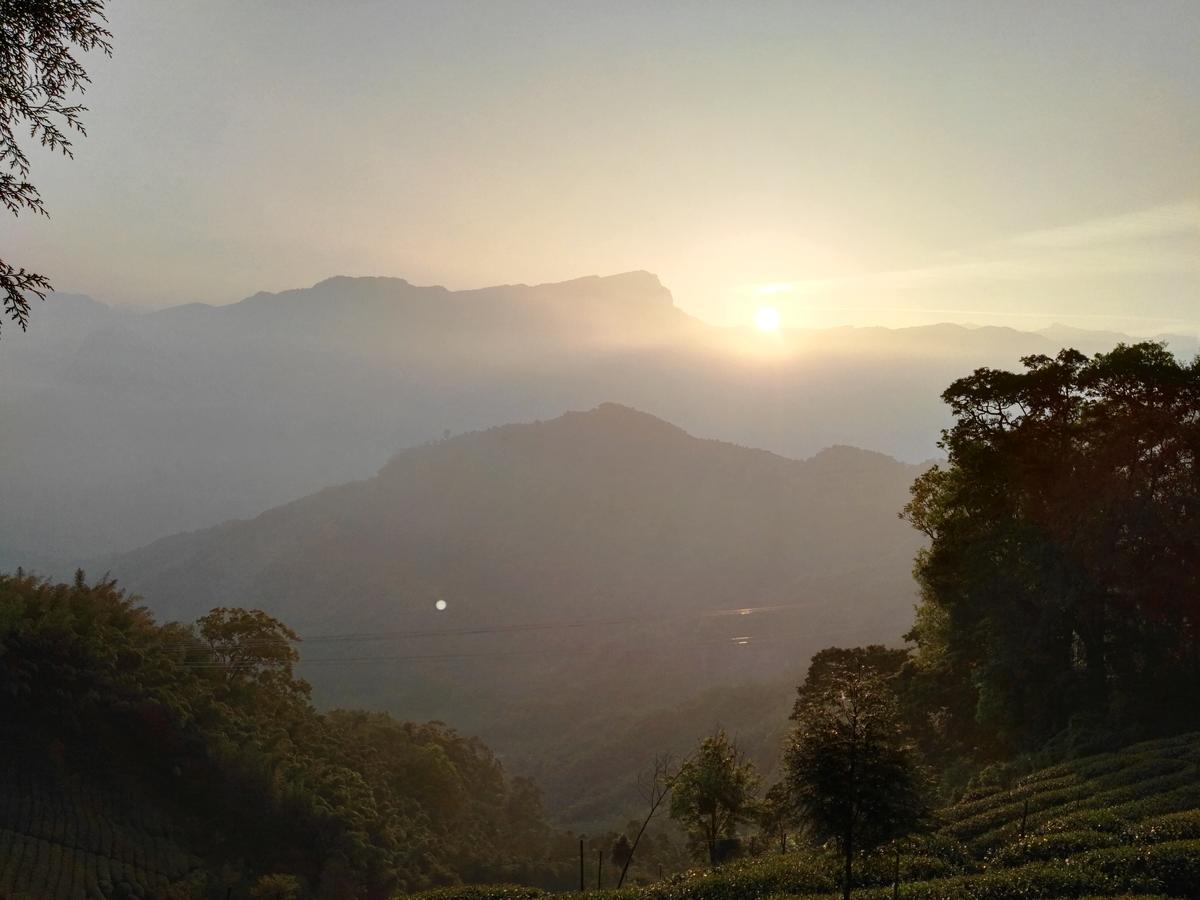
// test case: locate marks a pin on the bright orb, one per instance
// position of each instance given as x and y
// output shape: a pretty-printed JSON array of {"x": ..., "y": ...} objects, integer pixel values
[
  {"x": 766, "y": 318},
  {"x": 440, "y": 605}
]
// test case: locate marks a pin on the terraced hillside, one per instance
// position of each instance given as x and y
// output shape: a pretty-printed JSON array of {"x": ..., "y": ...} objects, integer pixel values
[
  {"x": 64, "y": 837},
  {"x": 1116, "y": 824}
]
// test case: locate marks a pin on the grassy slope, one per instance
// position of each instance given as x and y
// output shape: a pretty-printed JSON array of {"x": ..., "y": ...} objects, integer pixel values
[{"x": 1117, "y": 824}]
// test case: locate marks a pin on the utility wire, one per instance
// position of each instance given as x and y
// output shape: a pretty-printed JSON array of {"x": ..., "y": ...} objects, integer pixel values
[
  {"x": 740, "y": 641},
  {"x": 467, "y": 630}
]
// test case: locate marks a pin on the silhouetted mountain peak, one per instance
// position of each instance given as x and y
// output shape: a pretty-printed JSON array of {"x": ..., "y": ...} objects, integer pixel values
[
  {"x": 609, "y": 429},
  {"x": 620, "y": 285},
  {"x": 622, "y": 293},
  {"x": 352, "y": 281},
  {"x": 842, "y": 452},
  {"x": 616, "y": 417}
]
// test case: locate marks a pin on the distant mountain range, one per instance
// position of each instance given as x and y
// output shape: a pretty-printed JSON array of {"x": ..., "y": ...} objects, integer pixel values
[
  {"x": 120, "y": 427},
  {"x": 593, "y": 569}
]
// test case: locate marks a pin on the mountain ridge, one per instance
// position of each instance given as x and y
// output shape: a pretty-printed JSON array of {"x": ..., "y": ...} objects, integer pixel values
[
  {"x": 132, "y": 425},
  {"x": 604, "y": 552}
]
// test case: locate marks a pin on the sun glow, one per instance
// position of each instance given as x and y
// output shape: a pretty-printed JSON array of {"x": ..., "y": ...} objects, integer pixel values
[{"x": 766, "y": 318}]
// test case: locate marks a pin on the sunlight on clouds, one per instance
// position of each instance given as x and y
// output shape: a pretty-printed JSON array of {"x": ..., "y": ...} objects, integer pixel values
[
  {"x": 1169, "y": 221},
  {"x": 1012, "y": 279}
]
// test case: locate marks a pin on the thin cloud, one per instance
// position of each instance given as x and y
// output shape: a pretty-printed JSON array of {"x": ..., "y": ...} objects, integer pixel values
[
  {"x": 1169, "y": 221},
  {"x": 1128, "y": 244}
]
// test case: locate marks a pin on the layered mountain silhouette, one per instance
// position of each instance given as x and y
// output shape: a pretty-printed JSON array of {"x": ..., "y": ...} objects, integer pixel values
[
  {"x": 609, "y": 511},
  {"x": 601, "y": 565},
  {"x": 120, "y": 427}
]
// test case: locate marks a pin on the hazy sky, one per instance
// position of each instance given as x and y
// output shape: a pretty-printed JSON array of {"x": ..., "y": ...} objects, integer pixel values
[{"x": 888, "y": 162}]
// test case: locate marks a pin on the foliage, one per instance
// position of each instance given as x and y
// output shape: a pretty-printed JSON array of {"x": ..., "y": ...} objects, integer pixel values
[
  {"x": 1149, "y": 855},
  {"x": 851, "y": 768},
  {"x": 621, "y": 853},
  {"x": 776, "y": 816},
  {"x": 38, "y": 71},
  {"x": 1059, "y": 591},
  {"x": 247, "y": 645},
  {"x": 278, "y": 886},
  {"x": 712, "y": 794},
  {"x": 159, "y": 755},
  {"x": 654, "y": 784},
  {"x": 485, "y": 892}
]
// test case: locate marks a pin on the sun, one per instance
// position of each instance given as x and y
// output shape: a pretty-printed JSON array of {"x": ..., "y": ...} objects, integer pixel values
[{"x": 766, "y": 318}]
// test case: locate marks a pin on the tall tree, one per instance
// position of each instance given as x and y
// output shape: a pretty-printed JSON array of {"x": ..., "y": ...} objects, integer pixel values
[
  {"x": 713, "y": 793},
  {"x": 249, "y": 646},
  {"x": 38, "y": 73},
  {"x": 1063, "y": 572},
  {"x": 654, "y": 784},
  {"x": 851, "y": 769}
]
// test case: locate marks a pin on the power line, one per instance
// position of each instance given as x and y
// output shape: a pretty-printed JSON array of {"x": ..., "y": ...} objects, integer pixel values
[
  {"x": 467, "y": 631},
  {"x": 737, "y": 641}
]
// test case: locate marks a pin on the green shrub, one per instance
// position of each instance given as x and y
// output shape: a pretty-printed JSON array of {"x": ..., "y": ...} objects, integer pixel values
[
  {"x": 483, "y": 892},
  {"x": 880, "y": 869},
  {"x": 1172, "y": 827},
  {"x": 794, "y": 874},
  {"x": 1128, "y": 796},
  {"x": 1104, "y": 820},
  {"x": 1036, "y": 880},
  {"x": 1173, "y": 868},
  {"x": 1121, "y": 816},
  {"x": 1056, "y": 845},
  {"x": 1183, "y": 744}
]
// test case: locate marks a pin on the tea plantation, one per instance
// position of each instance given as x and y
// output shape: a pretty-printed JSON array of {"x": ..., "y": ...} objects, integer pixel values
[
  {"x": 63, "y": 838},
  {"x": 1122, "y": 824}
]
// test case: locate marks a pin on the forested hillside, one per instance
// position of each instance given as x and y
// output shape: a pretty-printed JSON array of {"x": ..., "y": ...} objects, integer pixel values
[
  {"x": 146, "y": 760},
  {"x": 181, "y": 759},
  {"x": 599, "y": 571},
  {"x": 856, "y": 557}
]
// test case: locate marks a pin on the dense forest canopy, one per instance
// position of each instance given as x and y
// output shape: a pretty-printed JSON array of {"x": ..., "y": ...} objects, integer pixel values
[
  {"x": 208, "y": 725},
  {"x": 1061, "y": 588}
]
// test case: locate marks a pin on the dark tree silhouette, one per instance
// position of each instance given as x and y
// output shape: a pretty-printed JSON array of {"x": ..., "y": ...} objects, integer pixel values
[
  {"x": 1059, "y": 590},
  {"x": 714, "y": 792},
  {"x": 654, "y": 784},
  {"x": 38, "y": 72},
  {"x": 851, "y": 769}
]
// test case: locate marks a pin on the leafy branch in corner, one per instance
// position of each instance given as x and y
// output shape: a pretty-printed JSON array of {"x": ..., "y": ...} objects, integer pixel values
[{"x": 38, "y": 72}]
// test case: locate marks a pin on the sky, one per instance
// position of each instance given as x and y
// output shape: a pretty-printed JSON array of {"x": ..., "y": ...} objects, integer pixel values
[{"x": 894, "y": 163}]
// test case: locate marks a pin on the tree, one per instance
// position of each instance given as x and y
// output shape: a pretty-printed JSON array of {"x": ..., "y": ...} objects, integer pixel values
[
  {"x": 621, "y": 854},
  {"x": 38, "y": 72},
  {"x": 249, "y": 646},
  {"x": 851, "y": 770},
  {"x": 713, "y": 793},
  {"x": 776, "y": 815},
  {"x": 828, "y": 667},
  {"x": 276, "y": 886},
  {"x": 655, "y": 785},
  {"x": 1062, "y": 579}
]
